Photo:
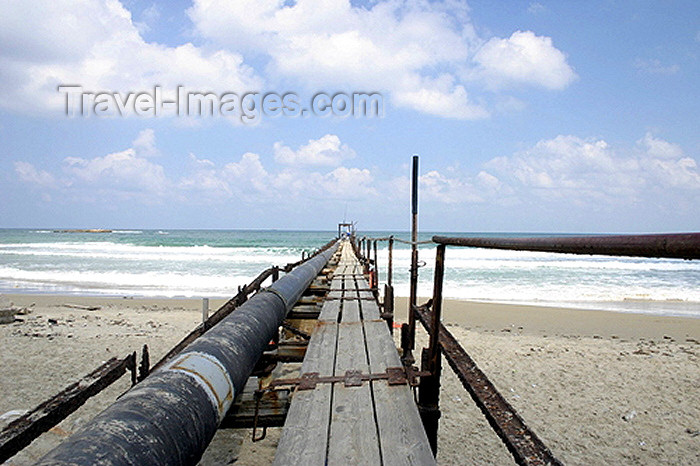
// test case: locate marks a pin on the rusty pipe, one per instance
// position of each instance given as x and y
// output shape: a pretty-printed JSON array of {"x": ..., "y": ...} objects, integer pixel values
[{"x": 672, "y": 245}]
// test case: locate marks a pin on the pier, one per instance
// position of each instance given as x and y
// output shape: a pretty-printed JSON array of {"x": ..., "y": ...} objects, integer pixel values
[
  {"x": 354, "y": 402},
  {"x": 356, "y": 398}
]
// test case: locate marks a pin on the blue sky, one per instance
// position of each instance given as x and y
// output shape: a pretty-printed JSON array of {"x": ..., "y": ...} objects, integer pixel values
[{"x": 528, "y": 116}]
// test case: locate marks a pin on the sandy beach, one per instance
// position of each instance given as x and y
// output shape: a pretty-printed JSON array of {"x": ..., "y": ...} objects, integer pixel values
[{"x": 598, "y": 387}]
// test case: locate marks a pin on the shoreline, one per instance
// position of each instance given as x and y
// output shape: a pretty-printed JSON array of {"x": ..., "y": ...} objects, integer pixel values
[{"x": 525, "y": 319}]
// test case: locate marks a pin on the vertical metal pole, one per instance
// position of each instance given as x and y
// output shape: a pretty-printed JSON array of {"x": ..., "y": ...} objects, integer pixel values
[
  {"x": 376, "y": 269},
  {"x": 388, "y": 314},
  {"x": 411, "y": 331},
  {"x": 433, "y": 348},
  {"x": 429, "y": 389},
  {"x": 205, "y": 309},
  {"x": 389, "y": 272}
]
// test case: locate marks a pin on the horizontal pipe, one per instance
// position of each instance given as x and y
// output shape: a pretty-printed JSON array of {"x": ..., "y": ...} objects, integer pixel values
[
  {"x": 217, "y": 317},
  {"x": 172, "y": 415},
  {"x": 672, "y": 246}
]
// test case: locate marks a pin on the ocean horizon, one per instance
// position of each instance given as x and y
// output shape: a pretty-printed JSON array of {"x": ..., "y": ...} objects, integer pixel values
[{"x": 214, "y": 263}]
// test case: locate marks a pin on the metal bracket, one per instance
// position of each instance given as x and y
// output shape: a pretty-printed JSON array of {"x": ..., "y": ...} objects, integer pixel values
[
  {"x": 350, "y": 298},
  {"x": 354, "y": 378},
  {"x": 351, "y": 289},
  {"x": 292, "y": 329}
]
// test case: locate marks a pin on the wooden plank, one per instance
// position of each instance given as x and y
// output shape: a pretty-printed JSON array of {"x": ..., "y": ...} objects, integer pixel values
[
  {"x": 305, "y": 435},
  {"x": 370, "y": 309},
  {"x": 330, "y": 311},
  {"x": 336, "y": 286},
  {"x": 350, "y": 308},
  {"x": 403, "y": 439},
  {"x": 371, "y": 424},
  {"x": 353, "y": 434}
]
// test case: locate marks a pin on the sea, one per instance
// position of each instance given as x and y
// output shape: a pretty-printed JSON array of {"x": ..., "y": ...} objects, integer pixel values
[{"x": 214, "y": 263}]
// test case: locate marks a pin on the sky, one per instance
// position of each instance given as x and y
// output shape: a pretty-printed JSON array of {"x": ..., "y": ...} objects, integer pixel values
[{"x": 542, "y": 116}]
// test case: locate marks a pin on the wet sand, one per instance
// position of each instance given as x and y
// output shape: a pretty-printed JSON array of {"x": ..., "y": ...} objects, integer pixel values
[{"x": 597, "y": 387}]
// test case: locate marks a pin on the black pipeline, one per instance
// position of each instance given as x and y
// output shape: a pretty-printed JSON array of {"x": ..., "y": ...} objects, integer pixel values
[{"x": 170, "y": 417}]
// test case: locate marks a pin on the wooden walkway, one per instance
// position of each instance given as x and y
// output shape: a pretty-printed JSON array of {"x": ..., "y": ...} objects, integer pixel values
[{"x": 374, "y": 423}]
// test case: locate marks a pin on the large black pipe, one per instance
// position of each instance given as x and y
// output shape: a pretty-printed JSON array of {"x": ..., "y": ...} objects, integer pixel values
[
  {"x": 672, "y": 245},
  {"x": 170, "y": 417}
]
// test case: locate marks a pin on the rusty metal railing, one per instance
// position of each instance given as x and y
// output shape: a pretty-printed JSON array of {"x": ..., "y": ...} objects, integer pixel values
[
  {"x": 523, "y": 443},
  {"x": 22, "y": 431}
]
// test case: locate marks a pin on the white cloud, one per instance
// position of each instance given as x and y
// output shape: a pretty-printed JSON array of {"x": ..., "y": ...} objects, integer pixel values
[
  {"x": 249, "y": 171},
  {"x": 524, "y": 58},
  {"x": 349, "y": 183},
  {"x": 441, "y": 97},
  {"x": 125, "y": 174},
  {"x": 332, "y": 43},
  {"x": 654, "y": 66},
  {"x": 127, "y": 170},
  {"x": 535, "y": 8},
  {"x": 35, "y": 178},
  {"x": 660, "y": 149},
  {"x": 207, "y": 183},
  {"x": 295, "y": 182},
  {"x": 327, "y": 150},
  {"x": 667, "y": 163},
  {"x": 589, "y": 171},
  {"x": 436, "y": 187},
  {"x": 424, "y": 64},
  {"x": 149, "y": 16},
  {"x": 145, "y": 143},
  {"x": 566, "y": 175},
  {"x": 95, "y": 44},
  {"x": 123, "y": 170}
]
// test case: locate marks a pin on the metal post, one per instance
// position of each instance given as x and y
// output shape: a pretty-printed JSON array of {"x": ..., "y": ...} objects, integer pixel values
[
  {"x": 436, "y": 315},
  {"x": 389, "y": 271},
  {"x": 411, "y": 330},
  {"x": 368, "y": 260},
  {"x": 389, "y": 289},
  {"x": 388, "y": 313},
  {"x": 376, "y": 270},
  {"x": 429, "y": 389},
  {"x": 205, "y": 309}
]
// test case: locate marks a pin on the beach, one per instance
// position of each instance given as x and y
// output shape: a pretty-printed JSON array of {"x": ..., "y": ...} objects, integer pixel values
[{"x": 598, "y": 387}]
